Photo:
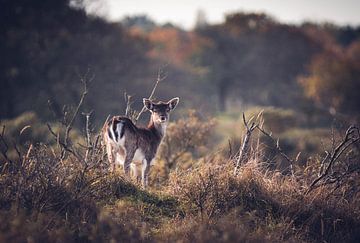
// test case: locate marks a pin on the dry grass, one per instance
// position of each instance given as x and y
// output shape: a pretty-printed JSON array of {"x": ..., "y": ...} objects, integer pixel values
[
  {"x": 47, "y": 197},
  {"x": 260, "y": 205}
]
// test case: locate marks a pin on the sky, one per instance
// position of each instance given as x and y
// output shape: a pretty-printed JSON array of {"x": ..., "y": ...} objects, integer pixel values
[{"x": 183, "y": 12}]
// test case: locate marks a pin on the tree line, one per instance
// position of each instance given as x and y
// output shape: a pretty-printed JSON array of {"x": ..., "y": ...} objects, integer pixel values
[{"x": 47, "y": 46}]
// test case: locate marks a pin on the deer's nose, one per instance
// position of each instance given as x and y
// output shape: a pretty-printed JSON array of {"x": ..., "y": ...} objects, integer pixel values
[{"x": 163, "y": 118}]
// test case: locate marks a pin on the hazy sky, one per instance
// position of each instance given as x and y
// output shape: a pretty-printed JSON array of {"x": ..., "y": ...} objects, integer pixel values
[{"x": 183, "y": 12}]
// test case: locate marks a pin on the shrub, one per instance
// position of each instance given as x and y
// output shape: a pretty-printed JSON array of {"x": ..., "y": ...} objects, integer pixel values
[{"x": 186, "y": 140}]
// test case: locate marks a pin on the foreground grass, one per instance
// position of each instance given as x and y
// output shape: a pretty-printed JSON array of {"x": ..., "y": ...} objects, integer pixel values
[
  {"x": 43, "y": 200},
  {"x": 52, "y": 194}
]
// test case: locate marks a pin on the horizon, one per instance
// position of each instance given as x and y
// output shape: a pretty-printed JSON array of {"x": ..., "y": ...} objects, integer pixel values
[{"x": 342, "y": 13}]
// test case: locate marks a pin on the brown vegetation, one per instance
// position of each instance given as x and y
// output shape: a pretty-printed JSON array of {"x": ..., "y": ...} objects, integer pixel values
[
  {"x": 46, "y": 196},
  {"x": 297, "y": 174}
]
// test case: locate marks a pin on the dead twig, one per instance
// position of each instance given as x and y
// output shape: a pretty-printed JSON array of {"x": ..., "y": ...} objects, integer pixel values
[
  {"x": 69, "y": 125},
  {"x": 243, "y": 154},
  {"x": 160, "y": 77},
  {"x": 89, "y": 146},
  {"x": 279, "y": 149},
  {"x": 128, "y": 101},
  {"x": 65, "y": 144},
  {"x": 244, "y": 150},
  {"x": 6, "y": 146},
  {"x": 351, "y": 137}
]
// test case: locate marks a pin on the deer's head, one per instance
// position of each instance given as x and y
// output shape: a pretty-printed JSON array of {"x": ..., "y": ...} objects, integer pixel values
[{"x": 160, "y": 111}]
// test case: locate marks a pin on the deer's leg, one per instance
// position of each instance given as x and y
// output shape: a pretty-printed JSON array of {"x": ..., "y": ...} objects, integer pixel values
[
  {"x": 134, "y": 170},
  {"x": 128, "y": 159},
  {"x": 110, "y": 155},
  {"x": 120, "y": 156},
  {"x": 145, "y": 172}
]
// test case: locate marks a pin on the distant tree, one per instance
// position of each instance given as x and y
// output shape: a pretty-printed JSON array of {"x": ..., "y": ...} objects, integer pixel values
[
  {"x": 333, "y": 79},
  {"x": 142, "y": 22},
  {"x": 174, "y": 45},
  {"x": 256, "y": 60},
  {"x": 330, "y": 34},
  {"x": 201, "y": 20},
  {"x": 346, "y": 35},
  {"x": 46, "y": 45}
]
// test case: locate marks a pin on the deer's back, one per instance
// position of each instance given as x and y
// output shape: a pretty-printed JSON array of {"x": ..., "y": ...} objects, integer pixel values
[{"x": 123, "y": 132}]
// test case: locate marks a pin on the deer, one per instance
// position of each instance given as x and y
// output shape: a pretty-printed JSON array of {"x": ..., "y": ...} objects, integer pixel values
[{"x": 129, "y": 145}]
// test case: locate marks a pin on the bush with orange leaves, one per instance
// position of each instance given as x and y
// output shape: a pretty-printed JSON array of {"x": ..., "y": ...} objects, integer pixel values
[{"x": 333, "y": 79}]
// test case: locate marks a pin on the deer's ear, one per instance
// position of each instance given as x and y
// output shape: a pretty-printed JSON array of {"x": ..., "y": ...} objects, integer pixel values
[
  {"x": 173, "y": 103},
  {"x": 148, "y": 104}
]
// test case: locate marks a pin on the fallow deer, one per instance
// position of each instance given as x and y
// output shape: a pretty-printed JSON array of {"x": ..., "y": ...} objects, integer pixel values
[{"x": 129, "y": 145}]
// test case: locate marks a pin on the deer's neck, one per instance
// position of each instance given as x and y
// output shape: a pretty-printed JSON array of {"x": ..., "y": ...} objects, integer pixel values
[{"x": 158, "y": 129}]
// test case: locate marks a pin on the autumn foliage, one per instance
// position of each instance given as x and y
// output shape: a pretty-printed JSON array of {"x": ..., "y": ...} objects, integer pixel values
[{"x": 333, "y": 80}]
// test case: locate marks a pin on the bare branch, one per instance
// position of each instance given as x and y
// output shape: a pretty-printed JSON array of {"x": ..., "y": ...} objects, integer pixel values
[
  {"x": 3, "y": 140},
  {"x": 160, "y": 77},
  {"x": 62, "y": 145},
  {"x": 27, "y": 156},
  {"x": 24, "y": 129},
  {"x": 128, "y": 104},
  {"x": 68, "y": 124},
  {"x": 258, "y": 124},
  {"x": 243, "y": 154},
  {"x": 83, "y": 95},
  {"x": 88, "y": 135},
  {"x": 17, "y": 150},
  {"x": 351, "y": 137},
  {"x": 230, "y": 149},
  {"x": 3, "y": 131},
  {"x": 279, "y": 149}
]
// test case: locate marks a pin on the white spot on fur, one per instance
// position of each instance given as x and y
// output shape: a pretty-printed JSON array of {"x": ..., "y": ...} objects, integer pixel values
[
  {"x": 112, "y": 134},
  {"x": 121, "y": 142},
  {"x": 138, "y": 156},
  {"x": 163, "y": 128}
]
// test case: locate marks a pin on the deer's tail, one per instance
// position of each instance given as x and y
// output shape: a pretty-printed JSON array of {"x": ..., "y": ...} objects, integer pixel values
[{"x": 116, "y": 130}]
